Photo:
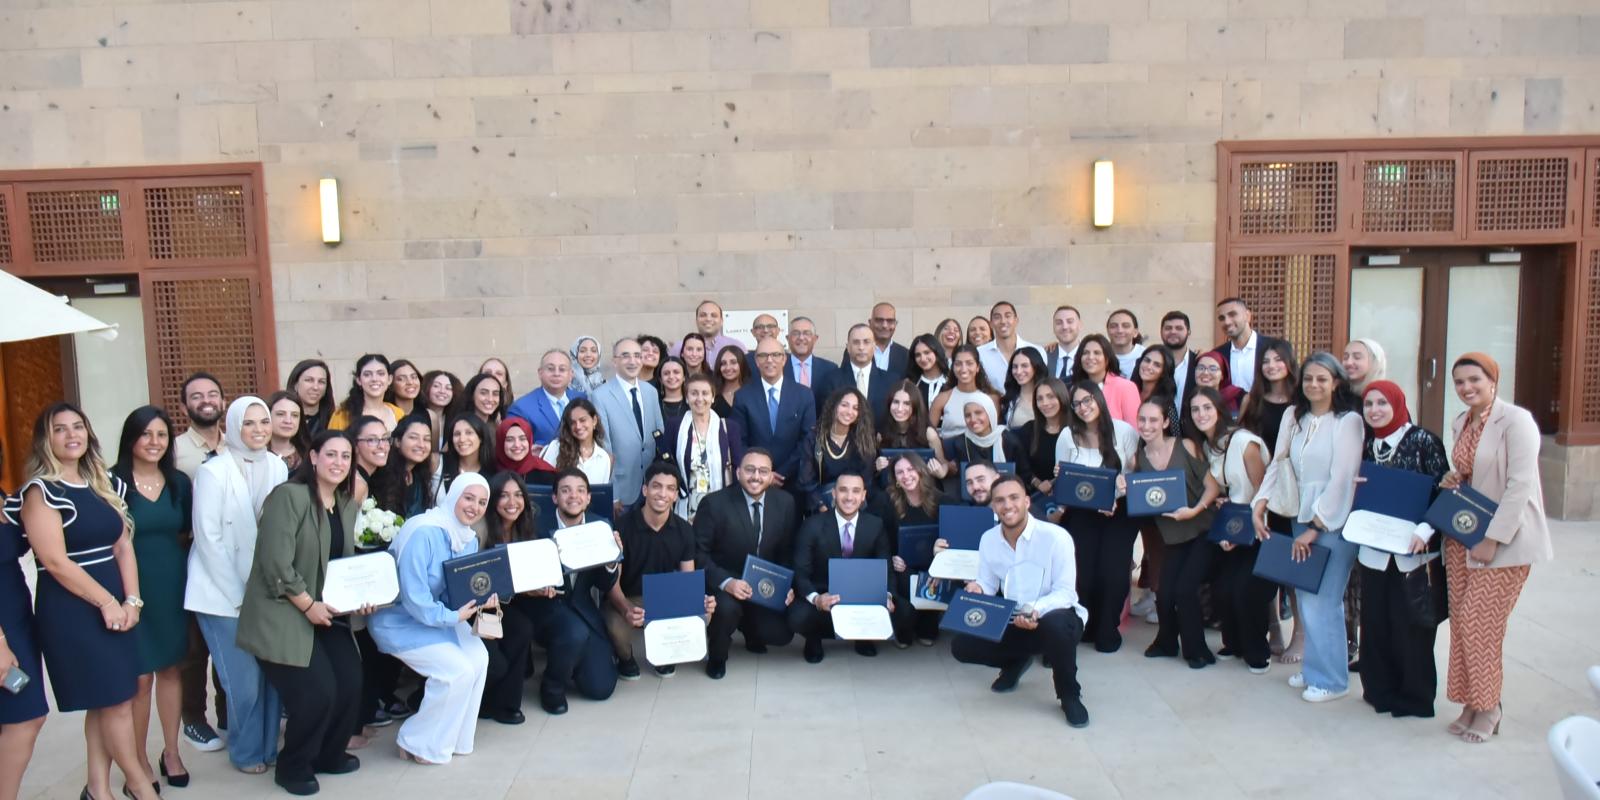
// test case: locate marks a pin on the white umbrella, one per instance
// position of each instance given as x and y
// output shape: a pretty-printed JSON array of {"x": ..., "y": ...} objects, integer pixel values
[{"x": 32, "y": 313}]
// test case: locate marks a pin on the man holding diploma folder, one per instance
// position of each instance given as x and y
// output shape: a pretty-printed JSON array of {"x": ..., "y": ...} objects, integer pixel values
[
  {"x": 656, "y": 540},
  {"x": 1053, "y": 624},
  {"x": 845, "y": 533}
]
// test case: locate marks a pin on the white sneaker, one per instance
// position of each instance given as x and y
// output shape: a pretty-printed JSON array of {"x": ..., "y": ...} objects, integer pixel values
[
  {"x": 1152, "y": 618},
  {"x": 1317, "y": 694},
  {"x": 1261, "y": 670},
  {"x": 1297, "y": 680},
  {"x": 1145, "y": 605}
]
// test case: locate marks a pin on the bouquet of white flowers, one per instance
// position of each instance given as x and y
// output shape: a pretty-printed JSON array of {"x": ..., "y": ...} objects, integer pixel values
[{"x": 375, "y": 528}]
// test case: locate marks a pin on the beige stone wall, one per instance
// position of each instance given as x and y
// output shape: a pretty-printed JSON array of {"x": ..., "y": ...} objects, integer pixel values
[{"x": 515, "y": 172}]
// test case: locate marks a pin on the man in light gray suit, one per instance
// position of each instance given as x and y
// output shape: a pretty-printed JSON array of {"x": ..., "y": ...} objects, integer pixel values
[{"x": 630, "y": 410}]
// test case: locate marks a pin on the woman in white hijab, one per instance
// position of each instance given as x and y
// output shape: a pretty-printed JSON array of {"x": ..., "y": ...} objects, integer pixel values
[
  {"x": 229, "y": 491},
  {"x": 587, "y": 372},
  {"x": 1364, "y": 361},
  {"x": 423, "y": 631},
  {"x": 983, "y": 440}
]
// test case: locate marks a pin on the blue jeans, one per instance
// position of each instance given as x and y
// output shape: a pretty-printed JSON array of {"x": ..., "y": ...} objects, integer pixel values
[
  {"x": 1327, "y": 656},
  {"x": 253, "y": 710}
]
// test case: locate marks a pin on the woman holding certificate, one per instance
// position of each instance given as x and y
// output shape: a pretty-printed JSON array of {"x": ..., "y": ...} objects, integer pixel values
[
  {"x": 1496, "y": 453},
  {"x": 307, "y": 653},
  {"x": 511, "y": 518},
  {"x": 1102, "y": 540},
  {"x": 1319, "y": 454},
  {"x": 431, "y": 637},
  {"x": 1397, "y": 671}
]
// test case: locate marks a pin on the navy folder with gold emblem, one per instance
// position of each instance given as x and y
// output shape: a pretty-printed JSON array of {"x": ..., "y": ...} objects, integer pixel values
[
  {"x": 1463, "y": 514},
  {"x": 979, "y": 615},
  {"x": 769, "y": 582},
  {"x": 670, "y": 595},
  {"x": 1154, "y": 493},
  {"x": 1079, "y": 486},
  {"x": 1275, "y": 562},
  {"x": 475, "y": 576},
  {"x": 1233, "y": 523}
]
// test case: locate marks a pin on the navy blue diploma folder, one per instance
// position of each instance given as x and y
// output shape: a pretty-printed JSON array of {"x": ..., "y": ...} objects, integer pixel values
[
  {"x": 916, "y": 545},
  {"x": 1275, "y": 562},
  {"x": 600, "y": 500},
  {"x": 963, "y": 526},
  {"x": 1233, "y": 523},
  {"x": 769, "y": 582},
  {"x": 978, "y": 615},
  {"x": 1079, "y": 486},
  {"x": 669, "y": 595},
  {"x": 475, "y": 576},
  {"x": 1398, "y": 493},
  {"x": 859, "y": 581},
  {"x": 1463, "y": 514},
  {"x": 1154, "y": 493}
]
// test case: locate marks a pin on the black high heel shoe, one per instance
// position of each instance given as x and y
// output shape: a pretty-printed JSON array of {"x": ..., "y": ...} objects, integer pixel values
[
  {"x": 175, "y": 781},
  {"x": 85, "y": 794},
  {"x": 128, "y": 793}
]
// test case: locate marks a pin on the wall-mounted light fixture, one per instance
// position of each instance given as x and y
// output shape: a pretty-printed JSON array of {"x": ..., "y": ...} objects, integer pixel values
[
  {"x": 330, "y": 210},
  {"x": 1105, "y": 193}
]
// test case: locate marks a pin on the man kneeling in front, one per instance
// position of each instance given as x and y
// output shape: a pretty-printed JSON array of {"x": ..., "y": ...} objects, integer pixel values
[{"x": 1055, "y": 622}]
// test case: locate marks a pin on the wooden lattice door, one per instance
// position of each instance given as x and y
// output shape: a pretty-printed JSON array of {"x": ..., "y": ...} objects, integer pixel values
[
  {"x": 203, "y": 321},
  {"x": 1295, "y": 294}
]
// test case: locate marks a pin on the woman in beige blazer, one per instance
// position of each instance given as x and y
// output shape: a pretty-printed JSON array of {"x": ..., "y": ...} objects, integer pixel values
[{"x": 1497, "y": 453}]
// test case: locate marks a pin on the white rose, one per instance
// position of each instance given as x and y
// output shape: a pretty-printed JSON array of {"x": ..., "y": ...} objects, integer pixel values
[{"x": 369, "y": 504}]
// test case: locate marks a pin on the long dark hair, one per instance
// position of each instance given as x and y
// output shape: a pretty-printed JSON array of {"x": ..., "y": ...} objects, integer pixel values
[
  {"x": 355, "y": 433},
  {"x": 861, "y": 435},
  {"x": 928, "y": 340},
  {"x": 570, "y": 451},
  {"x": 1013, "y": 389},
  {"x": 506, "y": 389},
  {"x": 526, "y": 526},
  {"x": 467, "y": 405},
  {"x": 455, "y": 392},
  {"x": 388, "y": 485},
  {"x": 705, "y": 352},
  {"x": 981, "y": 379},
  {"x": 42, "y": 462},
  {"x": 450, "y": 464},
  {"x": 1344, "y": 398},
  {"x": 389, "y": 395},
  {"x": 1113, "y": 367},
  {"x": 715, "y": 367},
  {"x": 655, "y": 379},
  {"x": 132, "y": 428},
  {"x": 1104, "y": 430},
  {"x": 1138, "y": 338},
  {"x": 912, "y": 435},
  {"x": 1165, "y": 385},
  {"x": 311, "y": 423},
  {"x": 1065, "y": 410},
  {"x": 306, "y": 473},
  {"x": 1254, "y": 405},
  {"x": 356, "y": 400},
  {"x": 1216, "y": 443}
]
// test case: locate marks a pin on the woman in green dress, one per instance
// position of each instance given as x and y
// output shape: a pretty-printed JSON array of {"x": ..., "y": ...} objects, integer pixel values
[{"x": 159, "y": 501}]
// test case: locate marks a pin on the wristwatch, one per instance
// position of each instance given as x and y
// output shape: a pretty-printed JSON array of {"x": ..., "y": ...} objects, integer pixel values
[{"x": 134, "y": 600}]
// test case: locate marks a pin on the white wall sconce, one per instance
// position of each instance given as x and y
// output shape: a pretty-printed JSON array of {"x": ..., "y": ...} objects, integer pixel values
[
  {"x": 1105, "y": 192},
  {"x": 329, "y": 188}
]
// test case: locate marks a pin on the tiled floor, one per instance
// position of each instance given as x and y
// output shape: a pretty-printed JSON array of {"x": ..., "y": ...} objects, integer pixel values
[{"x": 916, "y": 724}]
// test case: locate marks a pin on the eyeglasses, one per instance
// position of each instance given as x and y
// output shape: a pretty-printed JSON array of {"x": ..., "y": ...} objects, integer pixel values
[
  {"x": 884, "y": 320},
  {"x": 768, "y": 356},
  {"x": 803, "y": 334},
  {"x": 1086, "y": 402},
  {"x": 765, "y": 327},
  {"x": 1207, "y": 368},
  {"x": 757, "y": 471}
]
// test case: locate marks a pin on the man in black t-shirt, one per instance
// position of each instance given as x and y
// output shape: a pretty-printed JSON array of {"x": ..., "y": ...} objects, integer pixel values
[{"x": 653, "y": 540}]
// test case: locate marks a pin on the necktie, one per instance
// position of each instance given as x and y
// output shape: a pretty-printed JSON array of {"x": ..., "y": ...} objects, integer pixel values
[
  {"x": 861, "y": 380},
  {"x": 772, "y": 410},
  {"x": 638, "y": 413},
  {"x": 805, "y": 374},
  {"x": 847, "y": 540},
  {"x": 755, "y": 521},
  {"x": 561, "y": 406}
]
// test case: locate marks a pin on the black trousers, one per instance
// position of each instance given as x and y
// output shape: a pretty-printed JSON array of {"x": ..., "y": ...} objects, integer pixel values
[
  {"x": 192, "y": 680},
  {"x": 1056, "y": 637},
  {"x": 759, "y": 624},
  {"x": 322, "y": 699},
  {"x": 508, "y": 660},
  {"x": 1243, "y": 604},
  {"x": 380, "y": 678},
  {"x": 924, "y": 624},
  {"x": 576, "y": 654},
  {"x": 1103, "y": 547},
  {"x": 810, "y": 623},
  {"x": 1398, "y": 674},
  {"x": 1184, "y": 567}
]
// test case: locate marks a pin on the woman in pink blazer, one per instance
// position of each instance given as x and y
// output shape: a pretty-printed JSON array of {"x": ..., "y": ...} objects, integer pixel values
[
  {"x": 1095, "y": 362},
  {"x": 1497, "y": 453}
]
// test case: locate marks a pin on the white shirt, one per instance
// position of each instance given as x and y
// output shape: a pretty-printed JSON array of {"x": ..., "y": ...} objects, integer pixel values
[
  {"x": 855, "y": 529},
  {"x": 1325, "y": 454},
  {"x": 1129, "y": 361},
  {"x": 1064, "y": 360},
  {"x": 880, "y": 358},
  {"x": 1180, "y": 370},
  {"x": 557, "y": 404},
  {"x": 1242, "y": 363},
  {"x": 996, "y": 365},
  {"x": 1042, "y": 544},
  {"x": 862, "y": 376},
  {"x": 1373, "y": 558},
  {"x": 1229, "y": 468},
  {"x": 597, "y": 467}
]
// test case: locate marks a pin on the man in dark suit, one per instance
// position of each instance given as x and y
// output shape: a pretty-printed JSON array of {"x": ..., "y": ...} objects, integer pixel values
[
  {"x": 859, "y": 371},
  {"x": 845, "y": 533},
  {"x": 1060, "y": 354},
  {"x": 804, "y": 366},
  {"x": 734, "y": 522},
  {"x": 775, "y": 414},
  {"x": 887, "y": 354},
  {"x": 542, "y": 407},
  {"x": 1175, "y": 337},
  {"x": 1243, "y": 347}
]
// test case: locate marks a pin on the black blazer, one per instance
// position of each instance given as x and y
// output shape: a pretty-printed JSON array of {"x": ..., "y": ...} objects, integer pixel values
[
  {"x": 899, "y": 357},
  {"x": 724, "y": 535},
  {"x": 578, "y": 596},
  {"x": 821, "y": 368},
  {"x": 959, "y": 450},
  {"x": 879, "y": 384},
  {"x": 1263, "y": 342},
  {"x": 797, "y": 415},
  {"x": 819, "y": 541}
]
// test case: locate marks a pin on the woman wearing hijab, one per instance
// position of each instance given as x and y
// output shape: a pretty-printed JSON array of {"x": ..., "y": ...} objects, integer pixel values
[
  {"x": 516, "y": 453},
  {"x": 429, "y": 636},
  {"x": 1211, "y": 372},
  {"x": 587, "y": 374},
  {"x": 967, "y": 380},
  {"x": 229, "y": 493},
  {"x": 1497, "y": 453},
  {"x": 1365, "y": 362},
  {"x": 1397, "y": 671},
  {"x": 983, "y": 440},
  {"x": 704, "y": 447}
]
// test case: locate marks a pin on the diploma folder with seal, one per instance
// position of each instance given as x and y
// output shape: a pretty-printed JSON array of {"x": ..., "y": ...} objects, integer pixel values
[
  {"x": 1275, "y": 562},
  {"x": 1233, "y": 523},
  {"x": 475, "y": 576},
  {"x": 354, "y": 581},
  {"x": 674, "y": 610},
  {"x": 1152, "y": 494},
  {"x": 1079, "y": 486},
  {"x": 978, "y": 615},
  {"x": 862, "y": 584},
  {"x": 1463, "y": 514},
  {"x": 963, "y": 528},
  {"x": 769, "y": 582}
]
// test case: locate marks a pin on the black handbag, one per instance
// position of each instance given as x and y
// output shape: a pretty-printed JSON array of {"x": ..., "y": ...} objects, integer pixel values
[{"x": 1427, "y": 594}]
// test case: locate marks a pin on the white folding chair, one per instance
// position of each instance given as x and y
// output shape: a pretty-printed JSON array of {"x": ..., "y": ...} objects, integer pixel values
[
  {"x": 1575, "y": 746},
  {"x": 1006, "y": 790},
  {"x": 1594, "y": 679}
]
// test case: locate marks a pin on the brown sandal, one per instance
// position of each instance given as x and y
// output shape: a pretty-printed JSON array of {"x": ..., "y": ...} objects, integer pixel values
[{"x": 1477, "y": 735}]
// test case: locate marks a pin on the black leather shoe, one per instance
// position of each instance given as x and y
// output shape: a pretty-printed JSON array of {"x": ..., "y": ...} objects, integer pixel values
[
  {"x": 716, "y": 669},
  {"x": 759, "y": 648},
  {"x": 1007, "y": 682},
  {"x": 304, "y": 788},
  {"x": 1157, "y": 651},
  {"x": 512, "y": 717},
  {"x": 628, "y": 670},
  {"x": 175, "y": 781},
  {"x": 867, "y": 649},
  {"x": 344, "y": 766},
  {"x": 554, "y": 705},
  {"x": 1077, "y": 715},
  {"x": 813, "y": 651}
]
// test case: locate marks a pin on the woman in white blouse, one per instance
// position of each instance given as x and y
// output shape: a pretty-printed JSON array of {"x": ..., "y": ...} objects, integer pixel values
[
  {"x": 1319, "y": 447},
  {"x": 703, "y": 447},
  {"x": 578, "y": 445},
  {"x": 1102, "y": 541}
]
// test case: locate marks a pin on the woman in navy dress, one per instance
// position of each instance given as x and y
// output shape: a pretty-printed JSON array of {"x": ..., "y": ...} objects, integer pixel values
[
  {"x": 21, "y": 714},
  {"x": 88, "y": 593}
]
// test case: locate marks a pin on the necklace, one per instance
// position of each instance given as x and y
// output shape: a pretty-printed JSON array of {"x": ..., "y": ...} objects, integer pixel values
[
  {"x": 839, "y": 454},
  {"x": 153, "y": 488}
]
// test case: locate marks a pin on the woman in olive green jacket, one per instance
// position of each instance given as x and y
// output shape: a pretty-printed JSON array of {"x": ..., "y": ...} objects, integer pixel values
[{"x": 306, "y": 650}]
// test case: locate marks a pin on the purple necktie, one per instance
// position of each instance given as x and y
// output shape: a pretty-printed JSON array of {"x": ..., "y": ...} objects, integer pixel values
[{"x": 846, "y": 540}]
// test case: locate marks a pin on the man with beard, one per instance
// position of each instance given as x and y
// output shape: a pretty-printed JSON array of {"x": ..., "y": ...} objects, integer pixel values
[
  {"x": 202, "y": 401},
  {"x": 1175, "y": 336},
  {"x": 1243, "y": 346}
]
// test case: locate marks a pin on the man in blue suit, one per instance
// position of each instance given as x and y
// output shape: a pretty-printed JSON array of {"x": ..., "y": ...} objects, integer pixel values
[
  {"x": 860, "y": 372},
  {"x": 542, "y": 407},
  {"x": 804, "y": 366},
  {"x": 630, "y": 412},
  {"x": 776, "y": 414}
]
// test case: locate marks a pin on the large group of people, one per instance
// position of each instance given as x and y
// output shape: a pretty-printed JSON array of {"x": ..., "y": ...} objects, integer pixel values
[{"x": 212, "y": 545}]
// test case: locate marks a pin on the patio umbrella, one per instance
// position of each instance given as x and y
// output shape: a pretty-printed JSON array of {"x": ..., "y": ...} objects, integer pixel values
[{"x": 31, "y": 313}]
